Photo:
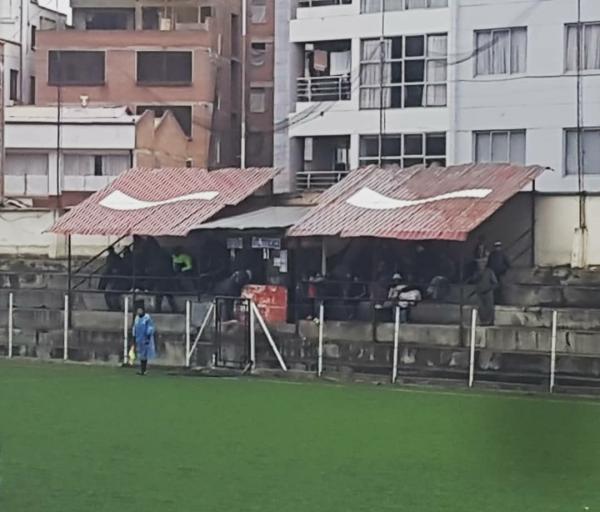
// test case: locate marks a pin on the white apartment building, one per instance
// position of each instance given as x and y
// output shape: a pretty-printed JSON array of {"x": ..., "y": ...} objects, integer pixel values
[
  {"x": 20, "y": 21},
  {"x": 463, "y": 81}
]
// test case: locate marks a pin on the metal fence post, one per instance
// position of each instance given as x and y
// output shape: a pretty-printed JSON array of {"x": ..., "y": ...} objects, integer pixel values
[
  {"x": 321, "y": 333},
  {"x": 553, "y": 350},
  {"x": 125, "y": 329},
  {"x": 11, "y": 308},
  {"x": 252, "y": 337},
  {"x": 188, "y": 331},
  {"x": 472, "y": 351},
  {"x": 66, "y": 329},
  {"x": 396, "y": 342}
]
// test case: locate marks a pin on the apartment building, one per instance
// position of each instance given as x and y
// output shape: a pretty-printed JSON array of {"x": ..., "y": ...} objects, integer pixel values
[
  {"x": 447, "y": 81},
  {"x": 20, "y": 21},
  {"x": 183, "y": 56},
  {"x": 259, "y": 78}
]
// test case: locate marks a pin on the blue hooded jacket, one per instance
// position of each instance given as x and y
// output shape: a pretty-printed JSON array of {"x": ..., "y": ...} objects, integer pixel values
[{"x": 143, "y": 334}]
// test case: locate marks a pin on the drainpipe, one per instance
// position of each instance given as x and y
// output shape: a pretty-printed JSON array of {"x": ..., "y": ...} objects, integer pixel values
[
  {"x": 452, "y": 146},
  {"x": 2, "y": 131},
  {"x": 22, "y": 50},
  {"x": 243, "y": 106}
]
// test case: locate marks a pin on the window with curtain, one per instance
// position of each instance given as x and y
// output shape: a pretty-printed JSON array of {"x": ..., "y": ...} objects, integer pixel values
[
  {"x": 501, "y": 51},
  {"x": 404, "y": 72},
  {"x": 404, "y": 149},
  {"x": 588, "y": 145},
  {"x": 258, "y": 53},
  {"x": 589, "y": 38},
  {"x": 258, "y": 11},
  {"x": 399, "y": 5},
  {"x": 501, "y": 146},
  {"x": 258, "y": 102}
]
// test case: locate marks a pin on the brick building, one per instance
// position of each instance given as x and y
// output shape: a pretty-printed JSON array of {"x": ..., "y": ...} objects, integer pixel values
[{"x": 183, "y": 56}]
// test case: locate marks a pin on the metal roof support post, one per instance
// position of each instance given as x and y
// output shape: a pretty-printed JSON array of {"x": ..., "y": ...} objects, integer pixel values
[
  {"x": 323, "y": 256},
  {"x": 69, "y": 275}
]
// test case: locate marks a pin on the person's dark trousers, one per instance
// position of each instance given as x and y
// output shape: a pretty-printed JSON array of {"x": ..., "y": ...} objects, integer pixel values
[
  {"x": 113, "y": 302},
  {"x": 143, "y": 366}
]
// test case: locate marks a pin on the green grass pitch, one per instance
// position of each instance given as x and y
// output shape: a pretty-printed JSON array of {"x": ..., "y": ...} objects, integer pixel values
[{"x": 95, "y": 439}]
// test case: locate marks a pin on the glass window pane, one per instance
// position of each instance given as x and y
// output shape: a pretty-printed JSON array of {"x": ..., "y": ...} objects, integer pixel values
[
  {"x": 437, "y": 46},
  {"x": 571, "y": 152},
  {"x": 435, "y": 144},
  {"x": 414, "y": 71},
  {"x": 414, "y": 96},
  {"x": 415, "y": 46},
  {"x": 413, "y": 144},
  {"x": 517, "y": 148},
  {"x": 408, "y": 162},
  {"x": 500, "y": 147},
  {"x": 482, "y": 147},
  {"x": 392, "y": 146},
  {"x": 591, "y": 151},
  {"x": 369, "y": 146}
]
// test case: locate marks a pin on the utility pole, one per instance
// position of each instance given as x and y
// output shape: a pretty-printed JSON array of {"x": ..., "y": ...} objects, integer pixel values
[{"x": 243, "y": 106}]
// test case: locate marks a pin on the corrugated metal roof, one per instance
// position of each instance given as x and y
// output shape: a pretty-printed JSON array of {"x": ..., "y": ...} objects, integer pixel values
[
  {"x": 68, "y": 114},
  {"x": 417, "y": 203},
  {"x": 161, "y": 202},
  {"x": 265, "y": 218}
]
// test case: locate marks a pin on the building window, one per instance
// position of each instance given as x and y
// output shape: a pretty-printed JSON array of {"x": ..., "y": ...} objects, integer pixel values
[
  {"x": 97, "y": 165},
  {"x": 501, "y": 51},
  {"x": 411, "y": 68},
  {"x": 258, "y": 100},
  {"x": 186, "y": 14},
  {"x": 108, "y": 19},
  {"x": 258, "y": 11},
  {"x": 500, "y": 146},
  {"x": 75, "y": 67},
  {"x": 14, "y": 85},
  {"x": 183, "y": 114},
  {"x": 164, "y": 68},
  {"x": 150, "y": 18},
  {"x": 258, "y": 53},
  {"x": 399, "y": 5},
  {"x": 206, "y": 12},
  {"x": 404, "y": 150},
  {"x": 33, "y": 37},
  {"x": 589, "y": 39},
  {"x": 589, "y": 148},
  {"x": 32, "y": 90}
]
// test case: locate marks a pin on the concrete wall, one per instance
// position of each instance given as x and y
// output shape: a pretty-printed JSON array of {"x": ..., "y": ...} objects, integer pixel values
[
  {"x": 21, "y": 233},
  {"x": 557, "y": 218}
]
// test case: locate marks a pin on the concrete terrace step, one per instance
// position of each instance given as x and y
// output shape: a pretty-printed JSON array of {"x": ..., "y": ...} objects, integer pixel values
[{"x": 516, "y": 316}]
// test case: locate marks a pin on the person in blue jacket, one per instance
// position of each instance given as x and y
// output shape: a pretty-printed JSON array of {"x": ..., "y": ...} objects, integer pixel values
[{"x": 143, "y": 334}]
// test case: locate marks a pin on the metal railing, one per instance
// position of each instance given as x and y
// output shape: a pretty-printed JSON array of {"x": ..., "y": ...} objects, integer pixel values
[
  {"x": 324, "y": 88},
  {"x": 318, "y": 181},
  {"x": 322, "y": 3}
]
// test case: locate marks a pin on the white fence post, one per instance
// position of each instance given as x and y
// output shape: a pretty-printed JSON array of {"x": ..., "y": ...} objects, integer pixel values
[
  {"x": 66, "y": 329},
  {"x": 396, "y": 343},
  {"x": 472, "y": 352},
  {"x": 321, "y": 333},
  {"x": 252, "y": 338},
  {"x": 188, "y": 332},
  {"x": 553, "y": 350},
  {"x": 270, "y": 339},
  {"x": 125, "y": 329},
  {"x": 11, "y": 307}
]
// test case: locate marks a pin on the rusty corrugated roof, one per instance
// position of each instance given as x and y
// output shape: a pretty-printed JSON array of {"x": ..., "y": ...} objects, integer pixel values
[
  {"x": 161, "y": 202},
  {"x": 417, "y": 203}
]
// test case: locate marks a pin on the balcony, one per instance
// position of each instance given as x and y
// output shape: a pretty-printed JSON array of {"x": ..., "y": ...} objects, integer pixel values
[
  {"x": 318, "y": 181},
  {"x": 324, "y": 88},
  {"x": 322, "y": 3}
]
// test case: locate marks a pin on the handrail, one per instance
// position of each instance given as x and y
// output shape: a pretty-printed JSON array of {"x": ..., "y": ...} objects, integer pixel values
[
  {"x": 319, "y": 180},
  {"x": 322, "y": 3},
  {"x": 324, "y": 88}
]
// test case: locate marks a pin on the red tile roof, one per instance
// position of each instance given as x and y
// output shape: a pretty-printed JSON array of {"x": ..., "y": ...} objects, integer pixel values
[
  {"x": 417, "y": 203},
  {"x": 121, "y": 208}
]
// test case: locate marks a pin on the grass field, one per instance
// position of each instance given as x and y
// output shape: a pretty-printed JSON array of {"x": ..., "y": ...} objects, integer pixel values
[{"x": 97, "y": 439}]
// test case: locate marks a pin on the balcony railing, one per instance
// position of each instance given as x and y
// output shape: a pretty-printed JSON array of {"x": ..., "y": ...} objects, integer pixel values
[
  {"x": 324, "y": 88},
  {"x": 322, "y": 3},
  {"x": 317, "y": 181}
]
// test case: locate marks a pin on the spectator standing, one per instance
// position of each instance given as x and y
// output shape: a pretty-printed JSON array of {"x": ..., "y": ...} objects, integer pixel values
[{"x": 143, "y": 335}]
